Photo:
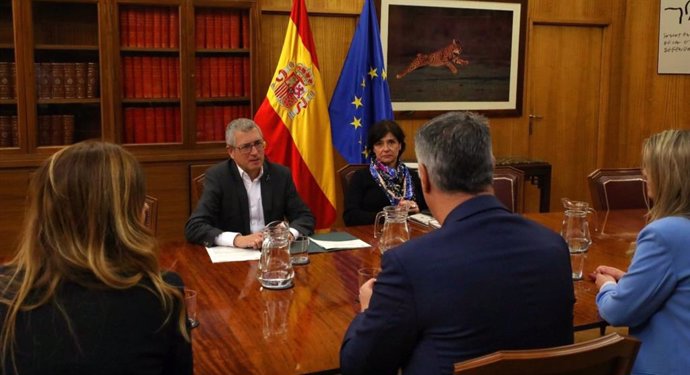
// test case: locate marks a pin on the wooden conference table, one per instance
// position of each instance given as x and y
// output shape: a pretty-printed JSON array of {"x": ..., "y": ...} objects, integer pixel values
[{"x": 246, "y": 330}]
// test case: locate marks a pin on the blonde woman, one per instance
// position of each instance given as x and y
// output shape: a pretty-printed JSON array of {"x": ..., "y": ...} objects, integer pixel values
[
  {"x": 84, "y": 293},
  {"x": 653, "y": 297}
]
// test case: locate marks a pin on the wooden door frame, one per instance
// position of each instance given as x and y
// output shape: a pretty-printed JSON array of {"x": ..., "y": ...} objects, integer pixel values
[{"x": 604, "y": 79}]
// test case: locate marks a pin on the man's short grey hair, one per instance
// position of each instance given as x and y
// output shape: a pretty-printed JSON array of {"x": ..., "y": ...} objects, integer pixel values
[
  {"x": 456, "y": 149},
  {"x": 242, "y": 125}
]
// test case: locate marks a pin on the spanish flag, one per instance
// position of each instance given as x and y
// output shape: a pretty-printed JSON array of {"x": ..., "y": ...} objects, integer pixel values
[{"x": 294, "y": 119}]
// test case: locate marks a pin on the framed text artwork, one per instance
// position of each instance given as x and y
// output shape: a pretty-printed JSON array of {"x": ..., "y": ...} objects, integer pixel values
[
  {"x": 444, "y": 55},
  {"x": 674, "y": 37}
]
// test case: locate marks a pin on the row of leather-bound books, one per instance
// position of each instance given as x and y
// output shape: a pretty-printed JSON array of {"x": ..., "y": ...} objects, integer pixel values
[
  {"x": 162, "y": 124},
  {"x": 55, "y": 130},
  {"x": 212, "y": 120},
  {"x": 149, "y": 27},
  {"x": 218, "y": 28},
  {"x": 150, "y": 77},
  {"x": 58, "y": 80},
  {"x": 8, "y": 77},
  {"x": 222, "y": 76},
  {"x": 8, "y": 131}
]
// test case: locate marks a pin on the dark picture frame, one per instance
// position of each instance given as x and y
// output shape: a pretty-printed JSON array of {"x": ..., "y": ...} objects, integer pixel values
[{"x": 470, "y": 55}]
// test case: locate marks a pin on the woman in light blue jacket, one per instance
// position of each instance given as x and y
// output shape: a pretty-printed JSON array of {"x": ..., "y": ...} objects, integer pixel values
[{"x": 653, "y": 297}]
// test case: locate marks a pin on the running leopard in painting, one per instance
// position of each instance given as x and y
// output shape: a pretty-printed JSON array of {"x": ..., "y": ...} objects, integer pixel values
[{"x": 447, "y": 56}]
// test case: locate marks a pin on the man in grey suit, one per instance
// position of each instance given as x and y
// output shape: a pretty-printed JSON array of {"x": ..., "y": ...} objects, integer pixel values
[
  {"x": 243, "y": 194},
  {"x": 486, "y": 280}
]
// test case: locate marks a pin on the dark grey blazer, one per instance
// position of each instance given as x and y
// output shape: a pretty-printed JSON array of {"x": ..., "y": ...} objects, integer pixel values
[{"x": 224, "y": 205}]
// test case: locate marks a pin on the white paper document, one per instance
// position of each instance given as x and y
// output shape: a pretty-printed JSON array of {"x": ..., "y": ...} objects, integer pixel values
[
  {"x": 350, "y": 244},
  {"x": 221, "y": 254},
  {"x": 425, "y": 219}
]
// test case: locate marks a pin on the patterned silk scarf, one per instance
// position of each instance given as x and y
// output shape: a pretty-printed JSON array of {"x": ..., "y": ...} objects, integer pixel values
[{"x": 396, "y": 182}]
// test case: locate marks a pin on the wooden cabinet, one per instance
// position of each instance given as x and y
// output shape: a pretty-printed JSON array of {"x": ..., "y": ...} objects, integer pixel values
[{"x": 160, "y": 77}]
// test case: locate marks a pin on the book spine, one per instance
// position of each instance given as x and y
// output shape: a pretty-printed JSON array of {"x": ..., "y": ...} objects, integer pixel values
[
  {"x": 237, "y": 76},
  {"x": 13, "y": 80},
  {"x": 14, "y": 132},
  {"x": 124, "y": 27},
  {"x": 148, "y": 27},
  {"x": 5, "y": 131},
  {"x": 217, "y": 29},
  {"x": 208, "y": 21},
  {"x": 160, "y": 124},
  {"x": 176, "y": 76},
  {"x": 56, "y": 130},
  {"x": 165, "y": 77},
  {"x": 208, "y": 123},
  {"x": 213, "y": 76},
  {"x": 156, "y": 77},
  {"x": 165, "y": 27},
  {"x": 139, "y": 125},
  {"x": 147, "y": 71},
  {"x": 140, "y": 26},
  {"x": 246, "y": 76},
  {"x": 129, "y": 125},
  {"x": 137, "y": 77},
  {"x": 131, "y": 27},
  {"x": 235, "y": 26},
  {"x": 178, "y": 124},
  {"x": 200, "y": 29},
  {"x": 157, "y": 29},
  {"x": 150, "y": 117},
  {"x": 200, "y": 116},
  {"x": 68, "y": 129},
  {"x": 70, "y": 80},
  {"x": 80, "y": 79},
  {"x": 169, "y": 121},
  {"x": 58, "y": 84},
  {"x": 45, "y": 80},
  {"x": 174, "y": 29},
  {"x": 205, "y": 77},
  {"x": 197, "y": 77},
  {"x": 43, "y": 130},
  {"x": 223, "y": 76},
  {"x": 225, "y": 29},
  {"x": 217, "y": 123},
  {"x": 92, "y": 80},
  {"x": 5, "y": 88},
  {"x": 245, "y": 30}
]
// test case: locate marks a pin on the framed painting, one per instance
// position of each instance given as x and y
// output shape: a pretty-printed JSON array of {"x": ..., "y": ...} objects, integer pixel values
[{"x": 444, "y": 55}]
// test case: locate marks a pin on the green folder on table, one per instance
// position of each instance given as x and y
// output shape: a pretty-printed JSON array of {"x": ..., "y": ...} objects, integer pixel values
[{"x": 334, "y": 237}]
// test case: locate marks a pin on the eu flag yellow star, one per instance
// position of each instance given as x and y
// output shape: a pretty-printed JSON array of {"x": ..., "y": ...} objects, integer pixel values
[
  {"x": 356, "y": 122},
  {"x": 357, "y": 102},
  {"x": 384, "y": 74},
  {"x": 372, "y": 73},
  {"x": 364, "y": 82}
]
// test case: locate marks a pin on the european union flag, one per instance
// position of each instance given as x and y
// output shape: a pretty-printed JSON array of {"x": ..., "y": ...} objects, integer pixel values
[{"x": 361, "y": 97}]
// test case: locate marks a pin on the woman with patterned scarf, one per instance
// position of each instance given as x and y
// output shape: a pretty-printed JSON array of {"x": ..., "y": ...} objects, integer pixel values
[{"x": 387, "y": 181}]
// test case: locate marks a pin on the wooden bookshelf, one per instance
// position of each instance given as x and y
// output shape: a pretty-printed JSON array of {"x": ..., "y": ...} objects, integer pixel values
[
  {"x": 9, "y": 132},
  {"x": 40, "y": 35}
]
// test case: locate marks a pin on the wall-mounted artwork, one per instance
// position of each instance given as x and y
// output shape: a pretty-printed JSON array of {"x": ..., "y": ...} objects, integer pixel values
[
  {"x": 446, "y": 55},
  {"x": 674, "y": 37}
]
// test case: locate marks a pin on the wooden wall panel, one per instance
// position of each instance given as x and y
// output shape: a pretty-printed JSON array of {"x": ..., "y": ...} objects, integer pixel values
[
  {"x": 649, "y": 102},
  {"x": 13, "y": 188}
]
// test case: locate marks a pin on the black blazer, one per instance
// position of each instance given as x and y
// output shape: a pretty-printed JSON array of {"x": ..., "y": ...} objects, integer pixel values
[
  {"x": 224, "y": 205},
  {"x": 364, "y": 198},
  {"x": 110, "y": 332}
]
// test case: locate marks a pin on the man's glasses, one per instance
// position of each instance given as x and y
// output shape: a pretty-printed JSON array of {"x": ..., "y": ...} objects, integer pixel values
[{"x": 247, "y": 148}]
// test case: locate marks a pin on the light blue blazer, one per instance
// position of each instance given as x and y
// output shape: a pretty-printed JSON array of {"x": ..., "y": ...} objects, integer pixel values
[{"x": 653, "y": 298}]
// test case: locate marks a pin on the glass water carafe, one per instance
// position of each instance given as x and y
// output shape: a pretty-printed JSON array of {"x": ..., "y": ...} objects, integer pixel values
[
  {"x": 275, "y": 268},
  {"x": 575, "y": 232},
  {"x": 394, "y": 230}
]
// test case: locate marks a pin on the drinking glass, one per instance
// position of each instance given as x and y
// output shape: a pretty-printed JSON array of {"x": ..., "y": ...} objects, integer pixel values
[
  {"x": 299, "y": 250},
  {"x": 190, "y": 304}
]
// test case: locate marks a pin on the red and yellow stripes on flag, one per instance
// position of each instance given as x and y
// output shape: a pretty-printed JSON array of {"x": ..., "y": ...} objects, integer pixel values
[{"x": 294, "y": 119}]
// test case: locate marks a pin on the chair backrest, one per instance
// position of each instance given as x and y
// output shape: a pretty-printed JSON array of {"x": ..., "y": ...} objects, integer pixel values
[
  {"x": 346, "y": 174},
  {"x": 608, "y": 355},
  {"x": 151, "y": 213},
  {"x": 197, "y": 175},
  {"x": 508, "y": 184},
  {"x": 618, "y": 188}
]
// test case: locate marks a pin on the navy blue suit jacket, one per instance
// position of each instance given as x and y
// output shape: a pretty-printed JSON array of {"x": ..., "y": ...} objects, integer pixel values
[
  {"x": 224, "y": 204},
  {"x": 487, "y": 280}
]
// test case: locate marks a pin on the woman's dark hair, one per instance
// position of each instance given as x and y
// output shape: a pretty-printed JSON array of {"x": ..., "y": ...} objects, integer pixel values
[{"x": 380, "y": 129}]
